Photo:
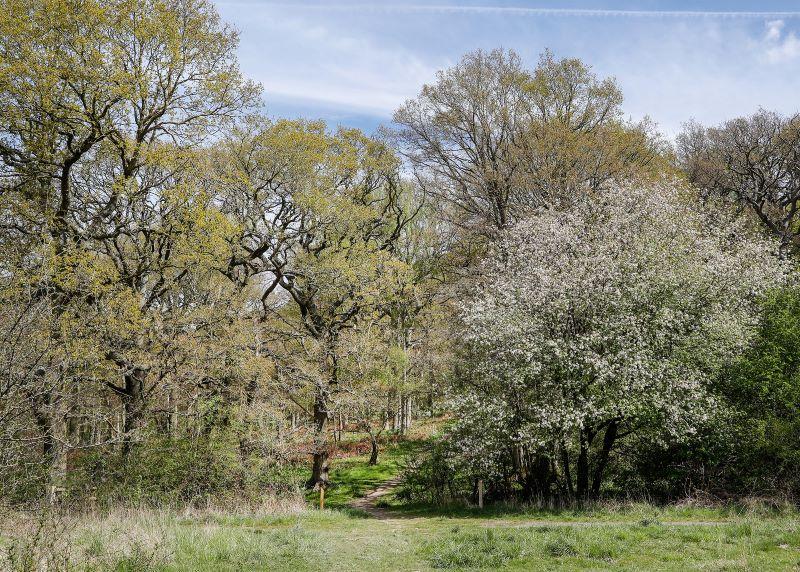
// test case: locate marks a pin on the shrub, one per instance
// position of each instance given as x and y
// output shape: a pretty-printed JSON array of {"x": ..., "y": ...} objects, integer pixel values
[{"x": 433, "y": 476}]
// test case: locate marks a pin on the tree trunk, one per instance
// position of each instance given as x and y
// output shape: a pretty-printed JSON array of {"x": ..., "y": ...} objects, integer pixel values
[
  {"x": 582, "y": 469},
  {"x": 570, "y": 488},
  {"x": 401, "y": 414},
  {"x": 335, "y": 427},
  {"x": 132, "y": 406},
  {"x": 319, "y": 465},
  {"x": 608, "y": 443},
  {"x": 173, "y": 420},
  {"x": 373, "y": 456},
  {"x": 391, "y": 414},
  {"x": 58, "y": 451},
  {"x": 49, "y": 414},
  {"x": 517, "y": 463}
]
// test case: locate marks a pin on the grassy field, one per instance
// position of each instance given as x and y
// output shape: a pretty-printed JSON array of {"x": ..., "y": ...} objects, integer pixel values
[
  {"x": 337, "y": 540},
  {"x": 293, "y": 536}
]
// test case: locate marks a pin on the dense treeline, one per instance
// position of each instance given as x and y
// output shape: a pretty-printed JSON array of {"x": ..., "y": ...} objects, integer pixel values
[{"x": 196, "y": 298}]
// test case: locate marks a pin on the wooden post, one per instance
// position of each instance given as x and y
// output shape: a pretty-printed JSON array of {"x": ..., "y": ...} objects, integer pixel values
[
  {"x": 321, "y": 497},
  {"x": 480, "y": 493}
]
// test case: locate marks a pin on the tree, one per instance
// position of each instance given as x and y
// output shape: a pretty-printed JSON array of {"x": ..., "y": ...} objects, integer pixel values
[
  {"x": 764, "y": 387},
  {"x": 100, "y": 103},
  {"x": 372, "y": 370},
  {"x": 320, "y": 215},
  {"x": 599, "y": 321},
  {"x": 753, "y": 160},
  {"x": 494, "y": 140},
  {"x": 413, "y": 312}
]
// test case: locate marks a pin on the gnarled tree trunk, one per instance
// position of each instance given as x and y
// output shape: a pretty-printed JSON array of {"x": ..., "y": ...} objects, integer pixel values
[
  {"x": 373, "y": 456},
  {"x": 319, "y": 464},
  {"x": 132, "y": 403}
]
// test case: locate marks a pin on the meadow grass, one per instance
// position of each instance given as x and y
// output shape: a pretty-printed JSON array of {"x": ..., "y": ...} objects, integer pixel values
[
  {"x": 290, "y": 535},
  {"x": 335, "y": 540}
]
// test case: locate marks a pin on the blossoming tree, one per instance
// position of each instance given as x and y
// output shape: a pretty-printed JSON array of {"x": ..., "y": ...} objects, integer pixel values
[{"x": 589, "y": 325}]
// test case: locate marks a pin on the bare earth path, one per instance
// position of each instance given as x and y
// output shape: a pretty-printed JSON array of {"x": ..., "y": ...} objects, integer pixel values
[{"x": 369, "y": 504}]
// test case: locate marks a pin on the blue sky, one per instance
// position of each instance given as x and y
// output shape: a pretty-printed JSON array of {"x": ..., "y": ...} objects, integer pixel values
[{"x": 354, "y": 62}]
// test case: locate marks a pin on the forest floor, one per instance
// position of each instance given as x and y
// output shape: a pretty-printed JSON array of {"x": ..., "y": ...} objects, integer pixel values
[{"x": 366, "y": 528}]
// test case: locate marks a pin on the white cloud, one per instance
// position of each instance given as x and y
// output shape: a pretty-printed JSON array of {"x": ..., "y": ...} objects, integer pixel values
[
  {"x": 780, "y": 47},
  {"x": 302, "y": 59},
  {"x": 774, "y": 29}
]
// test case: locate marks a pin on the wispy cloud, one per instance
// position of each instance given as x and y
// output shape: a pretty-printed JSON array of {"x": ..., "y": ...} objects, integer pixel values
[
  {"x": 327, "y": 65},
  {"x": 780, "y": 47},
  {"x": 518, "y": 10},
  {"x": 774, "y": 29},
  {"x": 339, "y": 60}
]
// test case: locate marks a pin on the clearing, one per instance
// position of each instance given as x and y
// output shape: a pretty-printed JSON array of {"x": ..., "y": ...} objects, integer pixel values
[{"x": 367, "y": 528}]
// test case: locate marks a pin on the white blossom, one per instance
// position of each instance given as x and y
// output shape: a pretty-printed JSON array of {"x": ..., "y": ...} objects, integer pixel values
[{"x": 623, "y": 308}]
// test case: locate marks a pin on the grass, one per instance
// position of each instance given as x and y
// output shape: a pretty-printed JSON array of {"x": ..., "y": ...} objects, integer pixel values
[
  {"x": 307, "y": 539},
  {"x": 290, "y": 535},
  {"x": 603, "y": 512},
  {"x": 353, "y": 477}
]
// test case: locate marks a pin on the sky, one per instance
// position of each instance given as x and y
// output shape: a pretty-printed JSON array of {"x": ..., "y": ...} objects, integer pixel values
[{"x": 354, "y": 62}]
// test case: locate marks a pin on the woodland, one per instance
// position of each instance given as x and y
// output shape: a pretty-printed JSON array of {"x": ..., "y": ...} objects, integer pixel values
[{"x": 511, "y": 295}]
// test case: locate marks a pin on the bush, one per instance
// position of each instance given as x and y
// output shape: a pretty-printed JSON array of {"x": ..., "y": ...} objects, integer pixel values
[
  {"x": 176, "y": 471},
  {"x": 432, "y": 477},
  {"x": 753, "y": 446}
]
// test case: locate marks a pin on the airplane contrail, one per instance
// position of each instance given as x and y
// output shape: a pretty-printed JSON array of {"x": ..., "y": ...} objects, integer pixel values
[{"x": 520, "y": 10}]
